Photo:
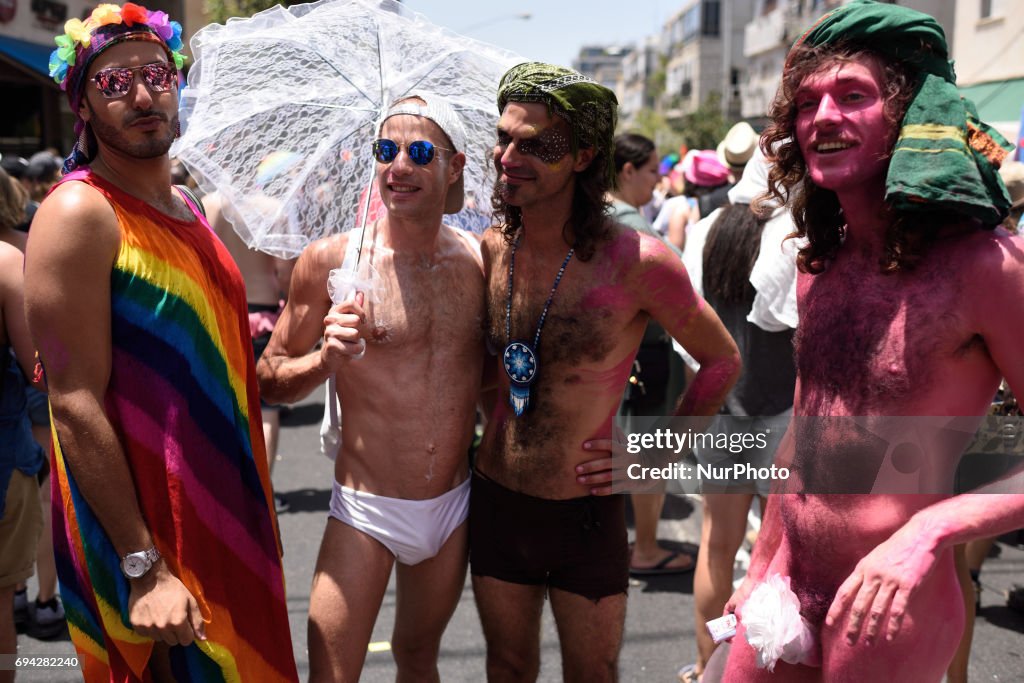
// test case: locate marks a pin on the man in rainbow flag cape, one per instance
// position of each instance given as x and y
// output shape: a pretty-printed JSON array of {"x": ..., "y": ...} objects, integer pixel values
[{"x": 167, "y": 545}]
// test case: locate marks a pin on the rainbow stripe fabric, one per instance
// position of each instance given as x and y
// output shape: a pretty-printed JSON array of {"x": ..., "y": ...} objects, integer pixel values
[{"x": 183, "y": 400}]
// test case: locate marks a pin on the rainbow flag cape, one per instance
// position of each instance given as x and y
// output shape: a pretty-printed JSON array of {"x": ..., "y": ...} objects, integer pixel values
[{"x": 183, "y": 400}]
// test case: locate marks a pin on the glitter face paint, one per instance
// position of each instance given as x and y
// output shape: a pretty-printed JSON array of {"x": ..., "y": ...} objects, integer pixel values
[
  {"x": 548, "y": 145},
  {"x": 531, "y": 154}
]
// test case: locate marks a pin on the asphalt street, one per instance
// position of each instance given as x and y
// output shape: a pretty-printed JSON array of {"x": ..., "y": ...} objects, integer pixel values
[{"x": 659, "y": 625}]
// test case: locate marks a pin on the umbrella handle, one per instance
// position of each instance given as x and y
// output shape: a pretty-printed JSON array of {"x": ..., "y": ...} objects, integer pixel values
[
  {"x": 342, "y": 286},
  {"x": 362, "y": 351}
]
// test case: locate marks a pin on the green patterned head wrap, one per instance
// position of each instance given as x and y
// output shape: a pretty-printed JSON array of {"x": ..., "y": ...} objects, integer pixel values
[
  {"x": 945, "y": 158},
  {"x": 590, "y": 108}
]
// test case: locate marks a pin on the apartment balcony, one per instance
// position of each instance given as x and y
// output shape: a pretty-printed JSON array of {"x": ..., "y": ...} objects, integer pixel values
[
  {"x": 775, "y": 30},
  {"x": 765, "y": 33}
]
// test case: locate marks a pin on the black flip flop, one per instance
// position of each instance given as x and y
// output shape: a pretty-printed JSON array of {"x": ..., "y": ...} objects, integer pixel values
[{"x": 663, "y": 566}]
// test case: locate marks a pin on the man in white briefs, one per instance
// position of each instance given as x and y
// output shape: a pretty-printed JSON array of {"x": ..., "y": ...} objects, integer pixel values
[{"x": 402, "y": 353}]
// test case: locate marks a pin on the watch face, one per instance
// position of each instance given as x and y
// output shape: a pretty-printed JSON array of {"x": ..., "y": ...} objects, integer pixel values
[{"x": 135, "y": 566}]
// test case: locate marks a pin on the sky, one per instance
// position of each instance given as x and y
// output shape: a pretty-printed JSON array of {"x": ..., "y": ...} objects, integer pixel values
[{"x": 556, "y": 29}]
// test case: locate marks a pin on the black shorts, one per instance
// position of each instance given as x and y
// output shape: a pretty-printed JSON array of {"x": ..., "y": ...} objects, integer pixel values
[{"x": 577, "y": 545}]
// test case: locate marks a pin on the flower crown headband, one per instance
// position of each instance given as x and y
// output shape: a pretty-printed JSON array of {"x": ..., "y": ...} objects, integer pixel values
[{"x": 79, "y": 34}]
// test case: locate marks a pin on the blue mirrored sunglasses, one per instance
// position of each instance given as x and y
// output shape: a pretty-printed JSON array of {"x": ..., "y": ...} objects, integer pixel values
[{"x": 421, "y": 152}]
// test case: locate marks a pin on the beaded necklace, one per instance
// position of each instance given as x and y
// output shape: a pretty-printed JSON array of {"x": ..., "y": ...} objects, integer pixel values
[{"x": 520, "y": 358}]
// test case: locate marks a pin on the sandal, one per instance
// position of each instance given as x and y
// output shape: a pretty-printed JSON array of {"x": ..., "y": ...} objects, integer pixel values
[
  {"x": 688, "y": 674},
  {"x": 663, "y": 566}
]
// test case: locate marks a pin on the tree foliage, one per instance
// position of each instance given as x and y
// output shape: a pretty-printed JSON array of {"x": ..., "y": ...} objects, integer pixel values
[
  {"x": 705, "y": 126},
  {"x": 653, "y": 124}
]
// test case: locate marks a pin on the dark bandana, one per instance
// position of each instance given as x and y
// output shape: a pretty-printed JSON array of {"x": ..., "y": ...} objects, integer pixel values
[{"x": 590, "y": 108}]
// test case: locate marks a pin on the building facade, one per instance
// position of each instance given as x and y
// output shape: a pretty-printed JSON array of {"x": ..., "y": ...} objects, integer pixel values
[
  {"x": 703, "y": 44},
  {"x": 777, "y": 23},
  {"x": 989, "y": 56},
  {"x": 635, "y": 89},
  {"x": 603, "y": 63}
]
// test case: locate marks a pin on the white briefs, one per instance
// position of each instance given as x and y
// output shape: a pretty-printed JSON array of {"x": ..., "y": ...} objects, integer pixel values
[{"x": 413, "y": 530}]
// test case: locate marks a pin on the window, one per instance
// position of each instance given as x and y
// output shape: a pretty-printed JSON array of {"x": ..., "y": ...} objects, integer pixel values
[
  {"x": 712, "y": 11},
  {"x": 691, "y": 23},
  {"x": 995, "y": 9}
]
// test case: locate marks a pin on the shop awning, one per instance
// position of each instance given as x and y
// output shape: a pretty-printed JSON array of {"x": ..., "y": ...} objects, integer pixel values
[
  {"x": 31, "y": 56},
  {"x": 997, "y": 100}
]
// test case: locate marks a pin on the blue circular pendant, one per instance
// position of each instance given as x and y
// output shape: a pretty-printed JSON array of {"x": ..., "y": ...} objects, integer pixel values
[{"x": 520, "y": 363}]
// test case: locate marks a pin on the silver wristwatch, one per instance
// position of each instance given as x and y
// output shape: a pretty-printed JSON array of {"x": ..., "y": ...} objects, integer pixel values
[{"x": 135, "y": 565}]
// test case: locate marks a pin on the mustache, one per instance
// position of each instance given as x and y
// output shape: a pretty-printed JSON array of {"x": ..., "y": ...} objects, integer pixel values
[{"x": 135, "y": 116}]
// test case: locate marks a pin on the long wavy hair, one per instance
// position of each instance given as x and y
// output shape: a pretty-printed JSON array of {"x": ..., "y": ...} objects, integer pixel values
[
  {"x": 732, "y": 246},
  {"x": 816, "y": 211},
  {"x": 588, "y": 223}
]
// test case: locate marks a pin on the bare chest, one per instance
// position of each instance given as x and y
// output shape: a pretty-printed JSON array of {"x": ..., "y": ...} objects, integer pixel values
[
  {"x": 577, "y": 328},
  {"x": 868, "y": 341},
  {"x": 589, "y": 327},
  {"x": 426, "y": 303}
]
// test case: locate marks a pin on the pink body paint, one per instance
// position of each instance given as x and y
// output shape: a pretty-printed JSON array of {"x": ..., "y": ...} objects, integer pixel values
[
  {"x": 841, "y": 125},
  {"x": 608, "y": 381},
  {"x": 607, "y": 296},
  {"x": 706, "y": 388},
  {"x": 675, "y": 292}
]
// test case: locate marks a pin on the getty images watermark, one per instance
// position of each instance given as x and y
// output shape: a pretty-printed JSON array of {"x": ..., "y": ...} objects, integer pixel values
[
  {"x": 680, "y": 443},
  {"x": 935, "y": 455}
]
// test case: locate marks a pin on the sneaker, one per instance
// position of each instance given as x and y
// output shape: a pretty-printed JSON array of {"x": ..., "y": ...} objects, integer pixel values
[
  {"x": 21, "y": 617},
  {"x": 48, "y": 620},
  {"x": 281, "y": 504}
]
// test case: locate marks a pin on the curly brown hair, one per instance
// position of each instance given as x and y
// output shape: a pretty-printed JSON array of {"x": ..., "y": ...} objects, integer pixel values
[
  {"x": 588, "y": 222},
  {"x": 816, "y": 211}
]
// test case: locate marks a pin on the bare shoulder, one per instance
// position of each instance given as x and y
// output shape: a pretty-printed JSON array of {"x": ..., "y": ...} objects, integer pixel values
[
  {"x": 1009, "y": 247},
  {"x": 10, "y": 259},
  {"x": 987, "y": 256},
  {"x": 635, "y": 252},
  {"x": 324, "y": 254},
  {"x": 75, "y": 235},
  {"x": 213, "y": 204},
  {"x": 989, "y": 269},
  {"x": 314, "y": 265},
  {"x": 491, "y": 240},
  {"x": 11, "y": 264},
  {"x": 464, "y": 245},
  {"x": 74, "y": 213},
  {"x": 492, "y": 244}
]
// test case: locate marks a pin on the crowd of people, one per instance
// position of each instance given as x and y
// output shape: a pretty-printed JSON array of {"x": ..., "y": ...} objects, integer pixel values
[{"x": 826, "y": 268}]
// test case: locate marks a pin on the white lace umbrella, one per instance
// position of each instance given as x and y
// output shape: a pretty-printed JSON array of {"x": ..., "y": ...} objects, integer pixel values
[{"x": 281, "y": 109}]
